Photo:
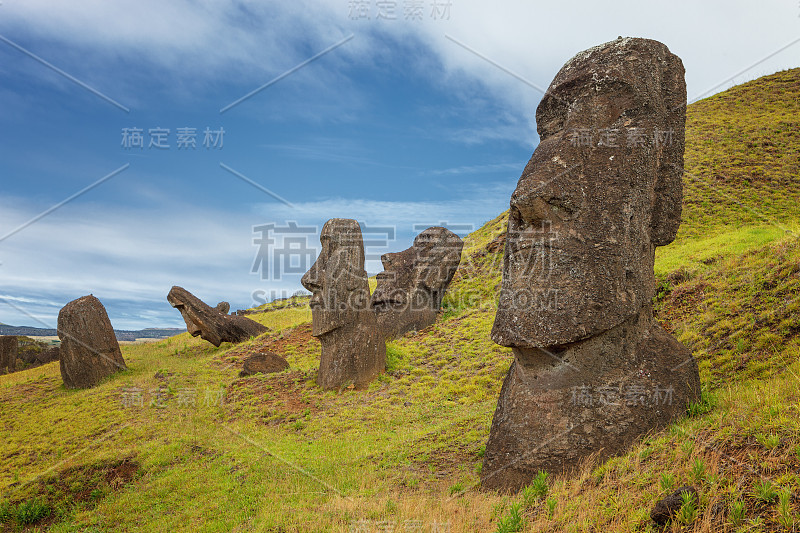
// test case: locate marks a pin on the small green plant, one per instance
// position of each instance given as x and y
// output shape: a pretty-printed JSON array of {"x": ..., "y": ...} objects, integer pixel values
[
  {"x": 455, "y": 489},
  {"x": 769, "y": 442},
  {"x": 481, "y": 450},
  {"x": 737, "y": 512},
  {"x": 688, "y": 511},
  {"x": 6, "y": 512},
  {"x": 785, "y": 516},
  {"x": 707, "y": 402},
  {"x": 551, "y": 507},
  {"x": 539, "y": 484},
  {"x": 667, "y": 481},
  {"x": 31, "y": 511},
  {"x": 698, "y": 470},
  {"x": 512, "y": 522},
  {"x": 764, "y": 490}
]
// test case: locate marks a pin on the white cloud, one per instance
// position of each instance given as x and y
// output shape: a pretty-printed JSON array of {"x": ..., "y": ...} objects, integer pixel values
[
  {"x": 256, "y": 41},
  {"x": 129, "y": 258}
]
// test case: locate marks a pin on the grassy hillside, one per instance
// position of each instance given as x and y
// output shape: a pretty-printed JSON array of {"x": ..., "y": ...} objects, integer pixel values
[{"x": 179, "y": 443}]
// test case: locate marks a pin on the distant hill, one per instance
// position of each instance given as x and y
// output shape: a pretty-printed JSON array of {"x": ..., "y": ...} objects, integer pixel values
[{"x": 122, "y": 335}]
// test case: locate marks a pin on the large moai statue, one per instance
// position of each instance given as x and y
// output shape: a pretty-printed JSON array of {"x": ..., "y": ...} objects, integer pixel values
[
  {"x": 89, "y": 349},
  {"x": 592, "y": 370},
  {"x": 411, "y": 287},
  {"x": 353, "y": 348},
  {"x": 213, "y": 324}
]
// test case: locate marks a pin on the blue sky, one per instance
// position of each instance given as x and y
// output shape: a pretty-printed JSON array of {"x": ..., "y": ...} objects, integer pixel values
[{"x": 403, "y": 123}]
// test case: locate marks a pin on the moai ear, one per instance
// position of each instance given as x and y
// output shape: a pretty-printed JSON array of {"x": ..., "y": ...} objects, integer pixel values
[{"x": 668, "y": 194}]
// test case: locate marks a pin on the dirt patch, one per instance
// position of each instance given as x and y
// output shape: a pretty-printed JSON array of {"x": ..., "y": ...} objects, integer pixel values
[
  {"x": 30, "y": 392},
  {"x": 42, "y": 503},
  {"x": 280, "y": 398},
  {"x": 278, "y": 343},
  {"x": 682, "y": 301}
]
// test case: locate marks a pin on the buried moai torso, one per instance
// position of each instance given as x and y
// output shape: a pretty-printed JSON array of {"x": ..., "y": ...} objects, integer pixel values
[
  {"x": 353, "y": 351},
  {"x": 411, "y": 287},
  {"x": 592, "y": 370}
]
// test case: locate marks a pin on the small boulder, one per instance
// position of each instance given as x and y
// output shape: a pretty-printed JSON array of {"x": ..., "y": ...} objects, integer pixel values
[
  {"x": 89, "y": 349},
  {"x": 668, "y": 506},
  {"x": 264, "y": 362}
]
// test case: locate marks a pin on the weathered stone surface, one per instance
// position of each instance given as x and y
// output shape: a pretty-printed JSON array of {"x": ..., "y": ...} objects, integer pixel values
[
  {"x": 264, "y": 362},
  {"x": 89, "y": 349},
  {"x": 592, "y": 370},
  {"x": 410, "y": 289},
  {"x": 667, "y": 507},
  {"x": 8, "y": 353},
  {"x": 353, "y": 349},
  {"x": 209, "y": 322},
  {"x": 47, "y": 356}
]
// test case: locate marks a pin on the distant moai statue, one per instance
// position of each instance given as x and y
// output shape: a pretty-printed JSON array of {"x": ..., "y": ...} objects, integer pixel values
[
  {"x": 353, "y": 348},
  {"x": 411, "y": 287}
]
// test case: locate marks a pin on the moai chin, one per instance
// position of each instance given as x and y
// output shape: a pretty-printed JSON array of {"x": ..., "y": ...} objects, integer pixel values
[
  {"x": 353, "y": 349},
  {"x": 592, "y": 370}
]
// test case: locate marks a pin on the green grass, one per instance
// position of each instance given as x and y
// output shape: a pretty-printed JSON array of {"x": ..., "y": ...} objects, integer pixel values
[{"x": 209, "y": 451}]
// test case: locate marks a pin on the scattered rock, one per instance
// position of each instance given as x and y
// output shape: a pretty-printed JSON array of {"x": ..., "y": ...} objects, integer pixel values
[
  {"x": 211, "y": 323},
  {"x": 353, "y": 348},
  {"x": 410, "y": 289},
  {"x": 496, "y": 245},
  {"x": 264, "y": 362},
  {"x": 667, "y": 507},
  {"x": 89, "y": 349},
  {"x": 9, "y": 346},
  {"x": 47, "y": 356},
  {"x": 592, "y": 370}
]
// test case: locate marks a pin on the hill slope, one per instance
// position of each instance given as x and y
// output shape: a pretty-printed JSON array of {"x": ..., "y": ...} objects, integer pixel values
[{"x": 179, "y": 442}]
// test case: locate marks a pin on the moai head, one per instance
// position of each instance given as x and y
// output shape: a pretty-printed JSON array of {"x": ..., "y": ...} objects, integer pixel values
[
  {"x": 337, "y": 280},
  {"x": 179, "y": 302},
  {"x": 416, "y": 278},
  {"x": 601, "y": 191}
]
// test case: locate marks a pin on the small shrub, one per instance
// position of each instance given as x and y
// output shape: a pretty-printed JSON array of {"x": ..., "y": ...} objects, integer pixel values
[
  {"x": 688, "y": 511},
  {"x": 785, "y": 517},
  {"x": 551, "y": 507},
  {"x": 764, "y": 490},
  {"x": 512, "y": 522},
  {"x": 698, "y": 470},
  {"x": 737, "y": 512},
  {"x": 539, "y": 484},
  {"x": 769, "y": 442},
  {"x": 31, "y": 511}
]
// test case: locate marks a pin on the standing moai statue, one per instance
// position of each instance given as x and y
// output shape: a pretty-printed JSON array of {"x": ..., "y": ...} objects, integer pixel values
[
  {"x": 592, "y": 370},
  {"x": 89, "y": 349},
  {"x": 410, "y": 289},
  {"x": 353, "y": 349}
]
